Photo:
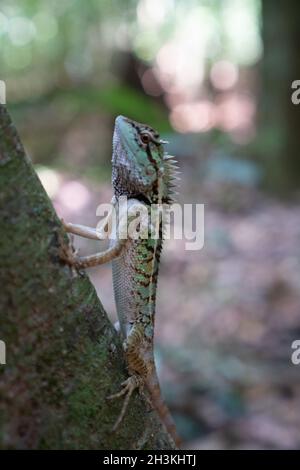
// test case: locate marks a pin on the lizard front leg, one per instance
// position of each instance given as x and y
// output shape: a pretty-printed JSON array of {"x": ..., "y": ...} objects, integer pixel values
[
  {"x": 84, "y": 231},
  {"x": 71, "y": 258},
  {"x": 102, "y": 231},
  {"x": 92, "y": 260}
]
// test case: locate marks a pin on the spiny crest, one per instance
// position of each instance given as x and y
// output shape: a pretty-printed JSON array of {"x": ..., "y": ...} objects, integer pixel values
[{"x": 171, "y": 178}]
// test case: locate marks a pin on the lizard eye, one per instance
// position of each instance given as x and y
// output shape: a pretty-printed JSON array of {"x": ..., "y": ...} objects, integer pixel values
[{"x": 145, "y": 138}]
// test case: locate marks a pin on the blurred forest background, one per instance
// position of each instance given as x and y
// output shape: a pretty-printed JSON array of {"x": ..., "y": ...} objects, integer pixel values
[{"x": 215, "y": 78}]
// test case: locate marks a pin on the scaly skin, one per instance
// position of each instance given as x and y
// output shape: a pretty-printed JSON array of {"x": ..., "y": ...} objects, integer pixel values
[{"x": 143, "y": 173}]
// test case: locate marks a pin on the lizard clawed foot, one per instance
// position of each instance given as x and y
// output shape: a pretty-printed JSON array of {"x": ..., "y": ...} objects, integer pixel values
[
  {"x": 67, "y": 226},
  {"x": 67, "y": 253},
  {"x": 129, "y": 385},
  {"x": 64, "y": 224}
]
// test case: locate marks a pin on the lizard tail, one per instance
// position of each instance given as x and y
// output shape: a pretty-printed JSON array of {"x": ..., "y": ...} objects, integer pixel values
[{"x": 162, "y": 409}]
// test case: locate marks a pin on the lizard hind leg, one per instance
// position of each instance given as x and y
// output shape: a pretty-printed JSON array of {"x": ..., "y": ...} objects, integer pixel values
[
  {"x": 128, "y": 387},
  {"x": 137, "y": 369}
]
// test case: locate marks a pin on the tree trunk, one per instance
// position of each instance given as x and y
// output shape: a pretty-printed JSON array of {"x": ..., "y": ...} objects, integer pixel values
[
  {"x": 280, "y": 118},
  {"x": 63, "y": 356}
]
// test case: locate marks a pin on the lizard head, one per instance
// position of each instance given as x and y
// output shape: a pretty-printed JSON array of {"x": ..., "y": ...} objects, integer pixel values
[{"x": 140, "y": 167}]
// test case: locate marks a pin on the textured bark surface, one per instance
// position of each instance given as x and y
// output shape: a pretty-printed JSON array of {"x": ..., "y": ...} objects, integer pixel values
[{"x": 63, "y": 356}]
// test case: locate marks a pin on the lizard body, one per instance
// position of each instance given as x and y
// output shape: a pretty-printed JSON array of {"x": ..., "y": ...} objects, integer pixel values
[{"x": 143, "y": 173}]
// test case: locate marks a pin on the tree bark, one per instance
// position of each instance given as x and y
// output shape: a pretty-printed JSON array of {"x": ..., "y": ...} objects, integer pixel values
[
  {"x": 279, "y": 117},
  {"x": 63, "y": 357}
]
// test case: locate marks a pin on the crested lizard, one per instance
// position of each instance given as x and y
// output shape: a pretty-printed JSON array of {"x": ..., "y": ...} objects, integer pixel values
[{"x": 146, "y": 175}]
